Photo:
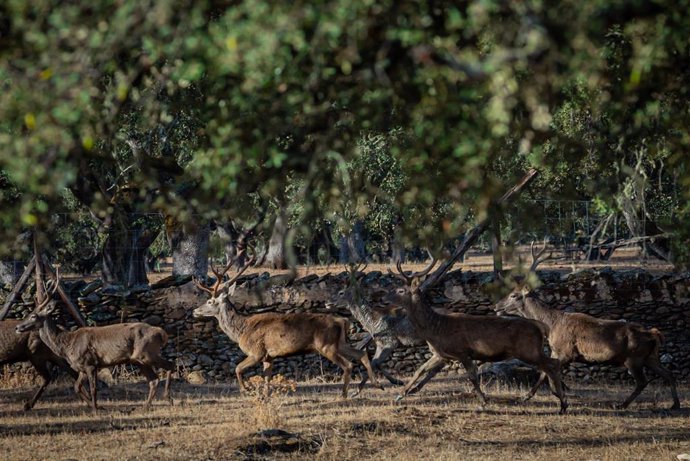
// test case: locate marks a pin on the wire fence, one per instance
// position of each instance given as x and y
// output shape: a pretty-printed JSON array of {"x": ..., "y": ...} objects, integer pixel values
[{"x": 566, "y": 224}]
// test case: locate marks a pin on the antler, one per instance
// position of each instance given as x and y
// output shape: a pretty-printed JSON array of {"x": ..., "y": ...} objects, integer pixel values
[
  {"x": 220, "y": 274},
  {"x": 536, "y": 257},
  {"x": 49, "y": 294},
  {"x": 408, "y": 279}
]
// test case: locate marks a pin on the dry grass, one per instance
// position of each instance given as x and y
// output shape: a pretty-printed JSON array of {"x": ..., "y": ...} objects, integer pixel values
[
  {"x": 444, "y": 422},
  {"x": 623, "y": 258}
]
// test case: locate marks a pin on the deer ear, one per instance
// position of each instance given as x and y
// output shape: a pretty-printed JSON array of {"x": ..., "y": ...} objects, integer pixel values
[{"x": 231, "y": 289}]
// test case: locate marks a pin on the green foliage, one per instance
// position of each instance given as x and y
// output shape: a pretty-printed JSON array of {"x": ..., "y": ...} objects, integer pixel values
[{"x": 412, "y": 115}]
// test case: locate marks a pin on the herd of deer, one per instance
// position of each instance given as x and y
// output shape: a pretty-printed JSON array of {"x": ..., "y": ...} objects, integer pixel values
[{"x": 523, "y": 330}]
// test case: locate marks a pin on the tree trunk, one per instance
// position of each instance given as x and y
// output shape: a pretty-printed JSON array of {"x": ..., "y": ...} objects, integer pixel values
[
  {"x": 189, "y": 244},
  {"x": 228, "y": 235},
  {"x": 276, "y": 257},
  {"x": 496, "y": 246},
  {"x": 397, "y": 251},
  {"x": 124, "y": 252},
  {"x": 352, "y": 245},
  {"x": 10, "y": 271}
]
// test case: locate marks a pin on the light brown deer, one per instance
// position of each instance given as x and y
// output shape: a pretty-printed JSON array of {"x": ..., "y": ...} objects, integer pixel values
[
  {"x": 89, "y": 349},
  {"x": 265, "y": 336},
  {"x": 465, "y": 338},
  {"x": 28, "y": 347},
  {"x": 577, "y": 337}
]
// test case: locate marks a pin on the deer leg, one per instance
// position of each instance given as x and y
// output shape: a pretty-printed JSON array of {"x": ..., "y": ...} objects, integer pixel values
[
  {"x": 169, "y": 367},
  {"x": 640, "y": 383},
  {"x": 382, "y": 354},
  {"x": 152, "y": 378},
  {"x": 243, "y": 365},
  {"x": 535, "y": 388},
  {"x": 335, "y": 355},
  {"x": 363, "y": 358},
  {"x": 427, "y": 378},
  {"x": 79, "y": 388},
  {"x": 552, "y": 370},
  {"x": 426, "y": 367},
  {"x": 471, "y": 369},
  {"x": 44, "y": 372},
  {"x": 268, "y": 368},
  {"x": 656, "y": 367},
  {"x": 92, "y": 375}
]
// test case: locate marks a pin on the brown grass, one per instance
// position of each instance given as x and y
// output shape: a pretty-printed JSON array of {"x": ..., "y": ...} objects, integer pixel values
[
  {"x": 623, "y": 258},
  {"x": 444, "y": 422}
]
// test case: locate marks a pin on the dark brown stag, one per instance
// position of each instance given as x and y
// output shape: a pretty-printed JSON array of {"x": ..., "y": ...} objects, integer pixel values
[
  {"x": 89, "y": 349},
  {"x": 577, "y": 337},
  {"x": 465, "y": 338}
]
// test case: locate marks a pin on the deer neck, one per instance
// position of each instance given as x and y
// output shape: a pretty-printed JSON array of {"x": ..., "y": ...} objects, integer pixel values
[
  {"x": 52, "y": 337},
  {"x": 536, "y": 310},
  {"x": 232, "y": 323},
  {"x": 425, "y": 320},
  {"x": 363, "y": 313}
]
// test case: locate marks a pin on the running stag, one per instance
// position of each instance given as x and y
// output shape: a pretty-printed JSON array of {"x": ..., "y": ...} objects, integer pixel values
[
  {"x": 576, "y": 337},
  {"x": 465, "y": 338},
  {"x": 266, "y": 336}
]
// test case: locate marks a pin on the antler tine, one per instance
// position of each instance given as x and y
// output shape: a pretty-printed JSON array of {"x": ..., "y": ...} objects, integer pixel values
[
  {"x": 201, "y": 286},
  {"x": 425, "y": 271},
  {"x": 241, "y": 271},
  {"x": 53, "y": 289},
  {"x": 405, "y": 277},
  {"x": 536, "y": 257}
]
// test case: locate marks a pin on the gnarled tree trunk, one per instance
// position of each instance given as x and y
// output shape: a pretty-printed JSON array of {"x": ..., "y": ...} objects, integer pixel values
[
  {"x": 276, "y": 256},
  {"x": 352, "y": 245},
  {"x": 124, "y": 252},
  {"x": 189, "y": 245}
]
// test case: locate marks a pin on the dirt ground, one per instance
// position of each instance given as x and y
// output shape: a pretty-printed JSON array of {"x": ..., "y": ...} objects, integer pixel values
[{"x": 444, "y": 421}]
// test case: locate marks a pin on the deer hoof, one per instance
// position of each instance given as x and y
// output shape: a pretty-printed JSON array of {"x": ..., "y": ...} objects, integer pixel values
[
  {"x": 676, "y": 406},
  {"x": 399, "y": 397},
  {"x": 28, "y": 406},
  {"x": 396, "y": 382},
  {"x": 564, "y": 409}
]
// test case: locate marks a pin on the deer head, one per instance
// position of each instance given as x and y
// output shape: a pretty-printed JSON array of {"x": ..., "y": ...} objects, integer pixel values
[
  {"x": 352, "y": 294},
  {"x": 514, "y": 303},
  {"x": 220, "y": 292},
  {"x": 411, "y": 289}
]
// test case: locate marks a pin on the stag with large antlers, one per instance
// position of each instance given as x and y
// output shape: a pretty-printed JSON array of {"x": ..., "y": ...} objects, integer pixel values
[
  {"x": 465, "y": 338},
  {"x": 89, "y": 349},
  {"x": 577, "y": 337},
  {"x": 266, "y": 336},
  {"x": 388, "y": 326}
]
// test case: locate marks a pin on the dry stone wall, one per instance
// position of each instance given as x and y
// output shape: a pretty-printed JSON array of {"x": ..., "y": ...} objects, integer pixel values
[{"x": 198, "y": 344}]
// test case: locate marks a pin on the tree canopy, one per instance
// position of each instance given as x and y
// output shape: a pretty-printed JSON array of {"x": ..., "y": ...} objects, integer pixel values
[{"x": 431, "y": 109}]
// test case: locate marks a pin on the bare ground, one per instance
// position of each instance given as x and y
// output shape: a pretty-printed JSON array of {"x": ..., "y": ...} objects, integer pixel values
[{"x": 443, "y": 422}]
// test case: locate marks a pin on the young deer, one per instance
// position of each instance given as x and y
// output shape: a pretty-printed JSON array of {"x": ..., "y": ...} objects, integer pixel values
[
  {"x": 263, "y": 337},
  {"x": 89, "y": 349},
  {"x": 466, "y": 338},
  {"x": 576, "y": 337}
]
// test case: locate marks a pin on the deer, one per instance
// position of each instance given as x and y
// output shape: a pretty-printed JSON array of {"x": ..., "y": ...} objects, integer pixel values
[
  {"x": 578, "y": 337},
  {"x": 28, "y": 347},
  {"x": 89, "y": 349},
  {"x": 388, "y": 326},
  {"x": 465, "y": 338},
  {"x": 266, "y": 336}
]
